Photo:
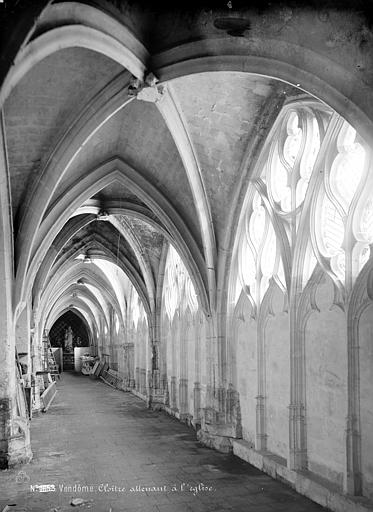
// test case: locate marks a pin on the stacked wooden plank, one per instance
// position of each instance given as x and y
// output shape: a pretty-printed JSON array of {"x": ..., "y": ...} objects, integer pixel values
[
  {"x": 101, "y": 370},
  {"x": 97, "y": 369},
  {"x": 111, "y": 377},
  {"x": 48, "y": 396}
]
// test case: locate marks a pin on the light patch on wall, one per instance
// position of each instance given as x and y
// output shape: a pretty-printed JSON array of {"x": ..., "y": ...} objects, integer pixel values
[
  {"x": 178, "y": 288},
  {"x": 99, "y": 296},
  {"x": 91, "y": 305},
  {"x": 190, "y": 295},
  {"x": 116, "y": 324},
  {"x": 135, "y": 309},
  {"x": 117, "y": 278}
]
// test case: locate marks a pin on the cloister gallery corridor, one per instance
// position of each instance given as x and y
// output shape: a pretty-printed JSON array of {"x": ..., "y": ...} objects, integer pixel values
[
  {"x": 186, "y": 214},
  {"x": 93, "y": 435}
]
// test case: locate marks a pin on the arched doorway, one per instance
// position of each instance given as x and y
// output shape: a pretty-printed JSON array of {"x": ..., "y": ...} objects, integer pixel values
[{"x": 68, "y": 333}]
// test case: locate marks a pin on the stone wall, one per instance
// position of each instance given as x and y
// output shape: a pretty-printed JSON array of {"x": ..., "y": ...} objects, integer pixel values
[
  {"x": 366, "y": 396},
  {"x": 254, "y": 403}
]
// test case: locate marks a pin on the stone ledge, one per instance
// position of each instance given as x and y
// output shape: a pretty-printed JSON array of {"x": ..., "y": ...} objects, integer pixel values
[
  {"x": 322, "y": 492},
  {"x": 173, "y": 412},
  {"x": 222, "y": 444}
]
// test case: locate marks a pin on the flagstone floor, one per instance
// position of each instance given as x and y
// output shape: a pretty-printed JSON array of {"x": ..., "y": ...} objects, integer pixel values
[{"x": 104, "y": 447}]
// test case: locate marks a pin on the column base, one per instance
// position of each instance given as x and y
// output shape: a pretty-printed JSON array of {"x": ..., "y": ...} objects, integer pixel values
[
  {"x": 16, "y": 449},
  {"x": 156, "y": 401},
  {"x": 20, "y": 457},
  {"x": 187, "y": 418}
]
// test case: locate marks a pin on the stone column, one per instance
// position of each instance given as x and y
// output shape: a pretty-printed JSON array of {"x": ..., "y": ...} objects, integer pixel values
[
  {"x": 143, "y": 381},
  {"x": 156, "y": 391},
  {"x": 297, "y": 460},
  {"x": 173, "y": 395},
  {"x": 261, "y": 430},
  {"x": 353, "y": 476},
  {"x": 197, "y": 383},
  {"x": 197, "y": 403},
  {"x": 14, "y": 429},
  {"x": 183, "y": 365},
  {"x": 183, "y": 397},
  {"x": 131, "y": 365},
  {"x": 137, "y": 379},
  {"x": 127, "y": 364},
  {"x": 220, "y": 421},
  {"x": 297, "y": 433}
]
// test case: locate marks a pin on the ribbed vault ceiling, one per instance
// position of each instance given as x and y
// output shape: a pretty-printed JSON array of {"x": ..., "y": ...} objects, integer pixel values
[
  {"x": 44, "y": 104},
  {"x": 119, "y": 178}
]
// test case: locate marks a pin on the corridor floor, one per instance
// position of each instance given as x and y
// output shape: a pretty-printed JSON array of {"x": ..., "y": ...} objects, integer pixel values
[{"x": 105, "y": 447}]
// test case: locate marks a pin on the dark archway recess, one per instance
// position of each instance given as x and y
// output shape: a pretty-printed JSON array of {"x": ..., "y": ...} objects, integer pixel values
[{"x": 80, "y": 337}]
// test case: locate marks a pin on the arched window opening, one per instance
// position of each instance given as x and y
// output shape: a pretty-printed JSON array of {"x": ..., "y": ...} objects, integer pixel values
[
  {"x": 135, "y": 310},
  {"x": 258, "y": 257},
  {"x": 292, "y": 156},
  {"x": 178, "y": 288},
  {"x": 310, "y": 190},
  {"x": 117, "y": 324}
]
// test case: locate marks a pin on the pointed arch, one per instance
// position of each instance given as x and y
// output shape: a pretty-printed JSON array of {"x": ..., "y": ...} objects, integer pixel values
[
  {"x": 70, "y": 276},
  {"x": 75, "y": 35},
  {"x": 64, "y": 304},
  {"x": 113, "y": 170},
  {"x": 76, "y": 312}
]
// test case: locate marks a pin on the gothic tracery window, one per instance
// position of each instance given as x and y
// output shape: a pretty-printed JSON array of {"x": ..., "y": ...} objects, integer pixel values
[
  {"x": 178, "y": 289},
  {"x": 308, "y": 188},
  {"x": 258, "y": 254}
]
